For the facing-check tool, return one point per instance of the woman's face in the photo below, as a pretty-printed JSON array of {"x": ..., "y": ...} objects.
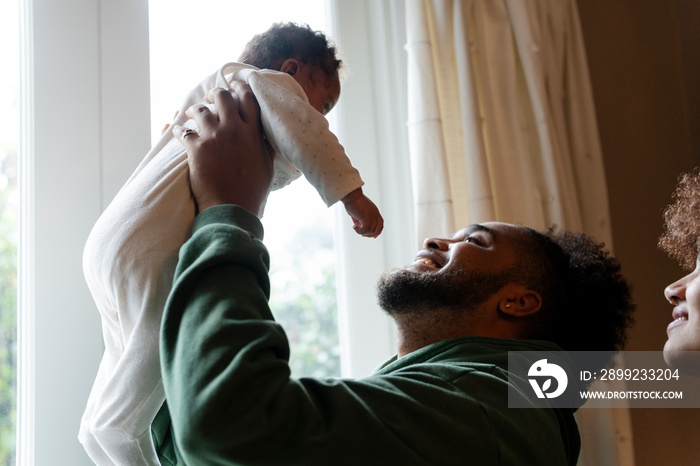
[{"x": 684, "y": 331}]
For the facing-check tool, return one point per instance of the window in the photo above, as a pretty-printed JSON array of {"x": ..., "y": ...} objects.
[
  {"x": 298, "y": 225},
  {"x": 9, "y": 210},
  {"x": 85, "y": 78}
]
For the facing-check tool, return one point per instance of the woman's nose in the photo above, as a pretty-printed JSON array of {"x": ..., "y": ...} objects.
[
  {"x": 436, "y": 243},
  {"x": 675, "y": 292}
]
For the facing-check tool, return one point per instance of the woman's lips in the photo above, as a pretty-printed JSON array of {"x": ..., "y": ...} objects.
[{"x": 680, "y": 320}]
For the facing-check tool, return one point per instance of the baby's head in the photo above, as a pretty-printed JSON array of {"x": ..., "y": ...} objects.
[{"x": 305, "y": 54}]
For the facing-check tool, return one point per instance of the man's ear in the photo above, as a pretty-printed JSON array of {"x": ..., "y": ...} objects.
[
  {"x": 290, "y": 66},
  {"x": 521, "y": 302}
]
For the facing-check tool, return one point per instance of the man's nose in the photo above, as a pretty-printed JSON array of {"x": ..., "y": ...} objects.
[{"x": 436, "y": 243}]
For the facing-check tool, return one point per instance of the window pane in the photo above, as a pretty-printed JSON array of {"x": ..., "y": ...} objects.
[
  {"x": 298, "y": 226},
  {"x": 9, "y": 137},
  {"x": 299, "y": 236}
]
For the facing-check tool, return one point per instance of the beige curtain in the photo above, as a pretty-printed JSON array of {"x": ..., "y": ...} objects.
[
  {"x": 501, "y": 118},
  {"x": 502, "y": 127}
]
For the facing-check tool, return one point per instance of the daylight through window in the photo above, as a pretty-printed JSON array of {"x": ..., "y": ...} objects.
[
  {"x": 298, "y": 226},
  {"x": 9, "y": 146}
]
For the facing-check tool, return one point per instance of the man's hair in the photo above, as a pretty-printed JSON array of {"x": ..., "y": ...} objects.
[
  {"x": 282, "y": 41},
  {"x": 681, "y": 236},
  {"x": 587, "y": 304}
]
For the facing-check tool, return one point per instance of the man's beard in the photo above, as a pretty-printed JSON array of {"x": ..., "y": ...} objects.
[{"x": 404, "y": 292}]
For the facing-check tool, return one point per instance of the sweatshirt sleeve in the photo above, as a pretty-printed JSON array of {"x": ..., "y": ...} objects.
[{"x": 225, "y": 368}]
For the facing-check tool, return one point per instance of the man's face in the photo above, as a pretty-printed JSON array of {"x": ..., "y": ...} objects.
[{"x": 457, "y": 273}]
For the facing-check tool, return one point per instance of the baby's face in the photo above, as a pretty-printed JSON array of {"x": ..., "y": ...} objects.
[{"x": 322, "y": 90}]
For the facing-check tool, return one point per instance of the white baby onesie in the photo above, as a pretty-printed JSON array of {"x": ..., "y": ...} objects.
[{"x": 131, "y": 253}]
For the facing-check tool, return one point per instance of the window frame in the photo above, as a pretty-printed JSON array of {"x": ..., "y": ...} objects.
[
  {"x": 85, "y": 108},
  {"x": 370, "y": 117}
]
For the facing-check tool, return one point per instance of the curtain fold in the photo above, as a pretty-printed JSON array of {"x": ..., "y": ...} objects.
[
  {"x": 502, "y": 127},
  {"x": 429, "y": 162},
  {"x": 501, "y": 120}
]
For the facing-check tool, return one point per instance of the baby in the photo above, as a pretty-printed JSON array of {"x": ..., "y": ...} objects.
[{"x": 131, "y": 253}]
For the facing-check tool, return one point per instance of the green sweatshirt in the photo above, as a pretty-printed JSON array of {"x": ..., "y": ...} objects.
[{"x": 230, "y": 398}]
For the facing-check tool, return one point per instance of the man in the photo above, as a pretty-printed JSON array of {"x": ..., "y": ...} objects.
[{"x": 460, "y": 307}]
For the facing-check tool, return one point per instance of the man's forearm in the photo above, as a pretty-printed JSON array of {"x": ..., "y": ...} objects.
[{"x": 220, "y": 348}]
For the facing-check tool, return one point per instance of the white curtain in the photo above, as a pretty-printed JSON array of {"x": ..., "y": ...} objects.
[{"x": 502, "y": 127}]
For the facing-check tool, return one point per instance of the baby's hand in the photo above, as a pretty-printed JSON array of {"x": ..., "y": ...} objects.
[{"x": 366, "y": 219}]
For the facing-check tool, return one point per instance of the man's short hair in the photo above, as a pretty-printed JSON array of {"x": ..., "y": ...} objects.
[
  {"x": 681, "y": 236},
  {"x": 587, "y": 303},
  {"x": 282, "y": 41}
]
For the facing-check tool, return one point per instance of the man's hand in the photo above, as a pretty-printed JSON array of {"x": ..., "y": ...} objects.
[{"x": 228, "y": 159}]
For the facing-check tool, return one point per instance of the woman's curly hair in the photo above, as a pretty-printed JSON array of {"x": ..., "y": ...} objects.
[
  {"x": 271, "y": 48},
  {"x": 587, "y": 303},
  {"x": 681, "y": 236}
]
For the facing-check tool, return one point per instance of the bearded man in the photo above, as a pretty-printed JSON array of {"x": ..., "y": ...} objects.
[{"x": 460, "y": 307}]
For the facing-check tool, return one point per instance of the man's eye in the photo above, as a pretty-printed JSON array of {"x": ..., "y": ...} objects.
[{"x": 473, "y": 239}]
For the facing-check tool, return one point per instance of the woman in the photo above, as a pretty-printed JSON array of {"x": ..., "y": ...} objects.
[{"x": 681, "y": 240}]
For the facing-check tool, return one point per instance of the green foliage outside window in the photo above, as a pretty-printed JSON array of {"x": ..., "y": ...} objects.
[
  {"x": 303, "y": 300},
  {"x": 9, "y": 130},
  {"x": 8, "y": 303}
]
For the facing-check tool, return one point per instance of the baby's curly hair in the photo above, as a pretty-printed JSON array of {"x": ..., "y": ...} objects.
[
  {"x": 587, "y": 303},
  {"x": 681, "y": 236},
  {"x": 271, "y": 48}
]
